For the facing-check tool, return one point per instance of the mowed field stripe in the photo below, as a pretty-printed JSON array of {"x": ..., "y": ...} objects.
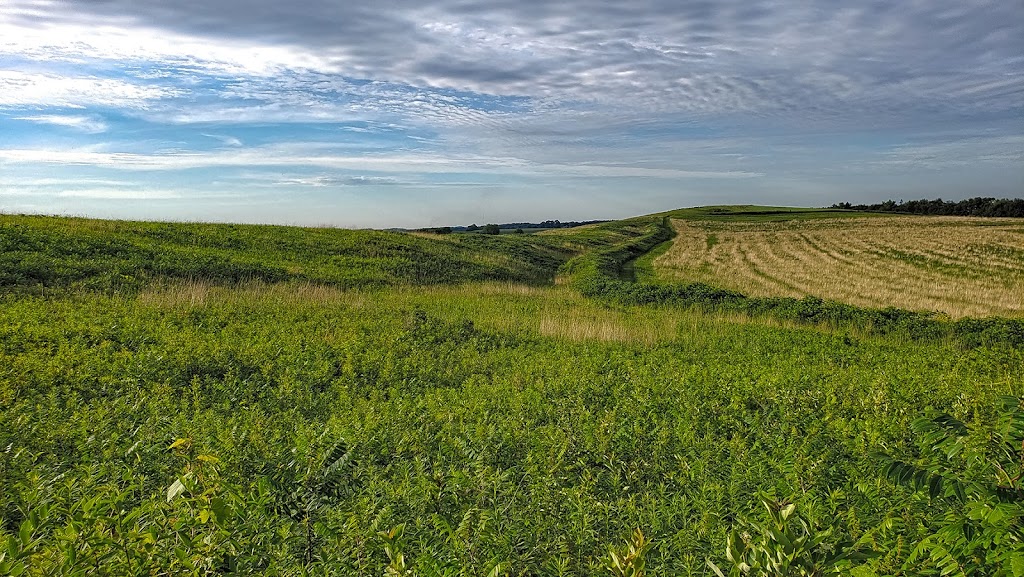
[{"x": 958, "y": 266}]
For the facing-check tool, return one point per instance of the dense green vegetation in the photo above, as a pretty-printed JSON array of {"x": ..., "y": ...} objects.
[
  {"x": 751, "y": 213},
  {"x": 978, "y": 206},
  {"x": 191, "y": 421},
  {"x": 116, "y": 255}
]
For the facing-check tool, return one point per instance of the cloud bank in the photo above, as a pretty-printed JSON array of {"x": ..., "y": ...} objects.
[{"x": 631, "y": 107}]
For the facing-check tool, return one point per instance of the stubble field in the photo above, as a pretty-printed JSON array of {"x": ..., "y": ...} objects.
[{"x": 957, "y": 266}]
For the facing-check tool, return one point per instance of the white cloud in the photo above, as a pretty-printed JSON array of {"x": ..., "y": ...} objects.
[
  {"x": 33, "y": 182},
  {"x": 228, "y": 140},
  {"x": 20, "y": 89},
  {"x": 85, "y": 189},
  {"x": 119, "y": 194},
  {"x": 750, "y": 56},
  {"x": 317, "y": 155},
  {"x": 320, "y": 181},
  {"x": 89, "y": 124},
  {"x": 58, "y": 33},
  {"x": 643, "y": 172},
  {"x": 963, "y": 152}
]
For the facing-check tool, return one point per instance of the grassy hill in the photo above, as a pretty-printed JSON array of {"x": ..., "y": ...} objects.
[
  {"x": 754, "y": 213},
  {"x": 512, "y": 405},
  {"x": 114, "y": 255}
]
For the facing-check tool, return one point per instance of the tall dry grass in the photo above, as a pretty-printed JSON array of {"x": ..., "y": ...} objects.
[{"x": 954, "y": 265}]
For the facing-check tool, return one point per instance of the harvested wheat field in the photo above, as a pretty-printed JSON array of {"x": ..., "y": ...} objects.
[{"x": 954, "y": 265}]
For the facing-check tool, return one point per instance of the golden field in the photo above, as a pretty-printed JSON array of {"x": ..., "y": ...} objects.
[{"x": 954, "y": 265}]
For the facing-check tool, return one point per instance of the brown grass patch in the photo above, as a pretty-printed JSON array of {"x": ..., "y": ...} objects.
[
  {"x": 585, "y": 325},
  {"x": 958, "y": 266}
]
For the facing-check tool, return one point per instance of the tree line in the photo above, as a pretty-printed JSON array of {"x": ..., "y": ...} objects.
[
  {"x": 515, "y": 227},
  {"x": 978, "y": 206}
]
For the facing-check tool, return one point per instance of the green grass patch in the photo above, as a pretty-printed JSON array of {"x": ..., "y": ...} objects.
[
  {"x": 315, "y": 422},
  {"x": 753, "y": 213},
  {"x": 122, "y": 255}
]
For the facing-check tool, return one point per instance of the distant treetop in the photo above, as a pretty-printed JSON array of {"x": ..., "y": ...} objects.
[
  {"x": 978, "y": 206},
  {"x": 525, "y": 225}
]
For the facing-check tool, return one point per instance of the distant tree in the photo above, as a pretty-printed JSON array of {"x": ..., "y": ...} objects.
[
  {"x": 979, "y": 206},
  {"x": 443, "y": 230},
  {"x": 491, "y": 229},
  {"x": 518, "y": 231},
  {"x": 511, "y": 226}
]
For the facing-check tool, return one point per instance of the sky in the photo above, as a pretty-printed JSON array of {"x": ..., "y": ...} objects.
[{"x": 409, "y": 113}]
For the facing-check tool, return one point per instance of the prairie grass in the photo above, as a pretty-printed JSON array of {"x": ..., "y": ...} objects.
[
  {"x": 954, "y": 265},
  {"x": 510, "y": 308},
  {"x": 538, "y": 421},
  {"x": 119, "y": 256},
  {"x": 280, "y": 410}
]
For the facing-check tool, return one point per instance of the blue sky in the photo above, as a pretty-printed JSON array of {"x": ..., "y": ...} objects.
[{"x": 418, "y": 113}]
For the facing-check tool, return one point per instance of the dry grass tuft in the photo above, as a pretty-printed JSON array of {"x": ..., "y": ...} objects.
[
  {"x": 958, "y": 266},
  {"x": 589, "y": 325},
  {"x": 198, "y": 293},
  {"x": 180, "y": 293}
]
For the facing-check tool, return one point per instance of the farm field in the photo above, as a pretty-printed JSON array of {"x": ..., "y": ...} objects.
[
  {"x": 963, "y": 267},
  {"x": 501, "y": 410}
]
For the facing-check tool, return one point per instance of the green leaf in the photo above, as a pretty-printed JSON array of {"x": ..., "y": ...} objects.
[
  {"x": 935, "y": 486},
  {"x": 715, "y": 568},
  {"x": 25, "y": 533},
  {"x": 1017, "y": 564},
  {"x": 220, "y": 510}
]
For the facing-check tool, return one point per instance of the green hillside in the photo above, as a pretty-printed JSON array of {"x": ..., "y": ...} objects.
[
  {"x": 61, "y": 252},
  {"x": 753, "y": 213}
]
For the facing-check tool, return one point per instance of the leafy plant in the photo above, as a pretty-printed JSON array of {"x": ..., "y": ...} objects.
[
  {"x": 630, "y": 560},
  {"x": 978, "y": 470},
  {"x": 317, "y": 486},
  {"x": 394, "y": 544},
  {"x": 786, "y": 546}
]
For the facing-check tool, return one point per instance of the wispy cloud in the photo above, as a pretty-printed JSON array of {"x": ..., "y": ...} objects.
[
  {"x": 89, "y": 124},
  {"x": 317, "y": 156},
  {"x": 224, "y": 139},
  {"x": 733, "y": 97},
  {"x": 119, "y": 194},
  {"x": 47, "y": 89},
  {"x": 1004, "y": 150},
  {"x": 326, "y": 181},
  {"x": 767, "y": 57}
]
